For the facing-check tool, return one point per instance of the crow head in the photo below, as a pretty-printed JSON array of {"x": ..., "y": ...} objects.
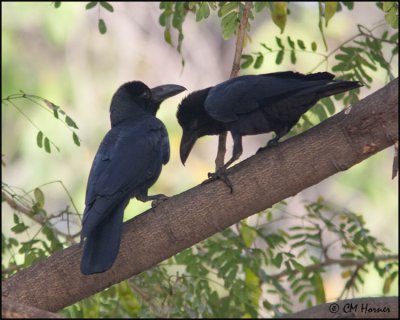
[
  {"x": 135, "y": 98},
  {"x": 195, "y": 121}
]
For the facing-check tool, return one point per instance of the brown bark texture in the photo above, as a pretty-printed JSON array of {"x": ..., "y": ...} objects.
[{"x": 270, "y": 176}]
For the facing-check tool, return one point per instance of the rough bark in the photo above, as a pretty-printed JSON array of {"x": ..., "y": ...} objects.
[
  {"x": 335, "y": 145},
  {"x": 361, "y": 308}
]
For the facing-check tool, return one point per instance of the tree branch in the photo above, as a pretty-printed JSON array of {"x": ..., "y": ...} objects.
[
  {"x": 16, "y": 310},
  {"x": 334, "y": 145},
  {"x": 219, "y": 160},
  {"x": 37, "y": 218}
]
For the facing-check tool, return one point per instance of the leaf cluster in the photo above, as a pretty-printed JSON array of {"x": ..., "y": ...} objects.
[
  {"x": 43, "y": 140},
  {"x": 44, "y": 238}
]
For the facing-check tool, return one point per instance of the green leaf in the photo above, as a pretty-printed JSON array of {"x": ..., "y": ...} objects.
[
  {"x": 387, "y": 284},
  {"x": 387, "y": 5},
  {"x": 39, "y": 197},
  {"x": 279, "y": 14},
  {"x": 319, "y": 288},
  {"x": 291, "y": 42},
  {"x": 39, "y": 139},
  {"x": 21, "y": 227},
  {"x": 47, "y": 145},
  {"x": 393, "y": 19},
  {"x": 265, "y": 46},
  {"x": 320, "y": 112},
  {"x": 76, "y": 139},
  {"x": 102, "y": 26},
  {"x": 314, "y": 46},
  {"x": 293, "y": 58},
  {"x": 106, "y": 5},
  {"x": 227, "y": 7},
  {"x": 163, "y": 18},
  {"x": 259, "y": 61},
  {"x": 279, "y": 43},
  {"x": 206, "y": 9},
  {"x": 277, "y": 261},
  {"x": 279, "y": 57},
  {"x": 330, "y": 10},
  {"x": 348, "y": 4},
  {"x": 70, "y": 122},
  {"x": 248, "y": 61},
  {"x": 91, "y": 5},
  {"x": 248, "y": 234},
  {"x": 301, "y": 44},
  {"x": 259, "y": 5},
  {"x": 327, "y": 102},
  {"x": 167, "y": 36},
  {"x": 57, "y": 4},
  {"x": 16, "y": 218},
  {"x": 320, "y": 24},
  {"x": 229, "y": 24}
]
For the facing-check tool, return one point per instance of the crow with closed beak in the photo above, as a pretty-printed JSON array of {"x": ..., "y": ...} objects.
[{"x": 127, "y": 163}]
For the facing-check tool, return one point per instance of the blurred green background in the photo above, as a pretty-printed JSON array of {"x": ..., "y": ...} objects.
[{"x": 60, "y": 55}]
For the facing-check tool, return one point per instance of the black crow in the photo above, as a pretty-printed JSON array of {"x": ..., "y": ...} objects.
[
  {"x": 253, "y": 104},
  {"x": 127, "y": 163}
]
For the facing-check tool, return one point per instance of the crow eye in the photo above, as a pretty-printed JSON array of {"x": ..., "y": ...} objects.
[{"x": 145, "y": 94}]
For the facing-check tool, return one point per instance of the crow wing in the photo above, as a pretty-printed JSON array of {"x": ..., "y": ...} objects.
[
  {"x": 241, "y": 95},
  {"x": 128, "y": 161}
]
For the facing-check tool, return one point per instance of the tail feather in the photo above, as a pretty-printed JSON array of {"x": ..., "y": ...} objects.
[{"x": 100, "y": 248}]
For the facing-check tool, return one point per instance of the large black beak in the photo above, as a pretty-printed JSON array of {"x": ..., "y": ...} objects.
[
  {"x": 163, "y": 92},
  {"x": 187, "y": 143}
]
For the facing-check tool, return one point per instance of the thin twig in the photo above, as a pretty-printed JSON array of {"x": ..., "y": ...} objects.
[
  {"x": 37, "y": 218},
  {"x": 240, "y": 39},
  {"x": 148, "y": 298},
  {"x": 219, "y": 160}
]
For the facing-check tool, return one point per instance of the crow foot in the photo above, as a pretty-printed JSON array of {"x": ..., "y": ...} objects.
[
  {"x": 271, "y": 143},
  {"x": 220, "y": 174},
  {"x": 159, "y": 198}
]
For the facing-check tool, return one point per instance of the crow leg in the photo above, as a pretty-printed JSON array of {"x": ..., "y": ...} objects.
[
  {"x": 156, "y": 198},
  {"x": 221, "y": 172},
  {"x": 273, "y": 142}
]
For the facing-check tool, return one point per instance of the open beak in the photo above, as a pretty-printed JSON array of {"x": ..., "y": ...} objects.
[
  {"x": 165, "y": 91},
  {"x": 187, "y": 143}
]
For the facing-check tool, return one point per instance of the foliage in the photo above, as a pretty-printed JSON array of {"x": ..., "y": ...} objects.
[
  {"x": 42, "y": 140},
  {"x": 95, "y": 4},
  {"x": 43, "y": 241},
  {"x": 225, "y": 275}
]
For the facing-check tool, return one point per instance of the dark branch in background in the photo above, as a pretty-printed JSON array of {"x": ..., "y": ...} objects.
[
  {"x": 219, "y": 160},
  {"x": 35, "y": 217},
  {"x": 264, "y": 179},
  {"x": 13, "y": 309}
]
